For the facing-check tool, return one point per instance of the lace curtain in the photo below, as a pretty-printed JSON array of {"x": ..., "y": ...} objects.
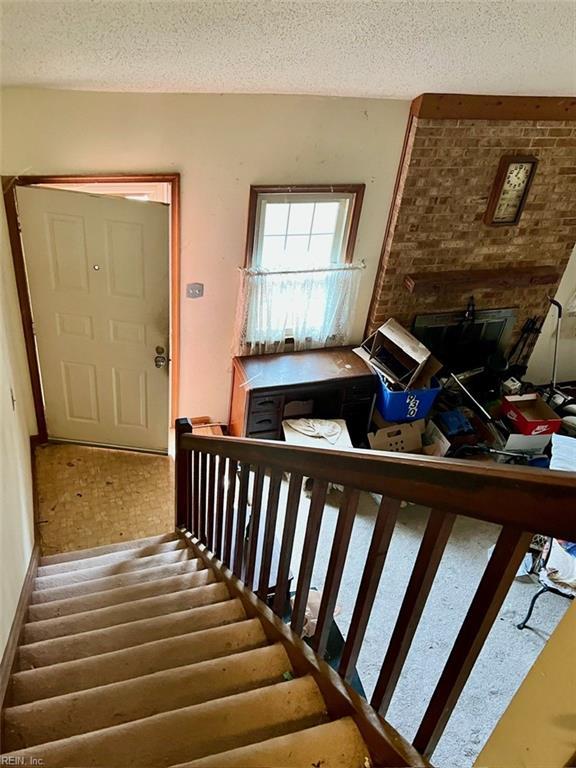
[{"x": 281, "y": 311}]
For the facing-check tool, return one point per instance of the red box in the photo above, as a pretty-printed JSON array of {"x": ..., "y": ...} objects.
[{"x": 530, "y": 415}]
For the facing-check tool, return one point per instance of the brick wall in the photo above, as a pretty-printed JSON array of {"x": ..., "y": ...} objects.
[{"x": 436, "y": 221}]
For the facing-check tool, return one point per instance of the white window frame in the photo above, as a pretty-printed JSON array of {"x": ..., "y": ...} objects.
[
  {"x": 346, "y": 227},
  {"x": 341, "y": 232}
]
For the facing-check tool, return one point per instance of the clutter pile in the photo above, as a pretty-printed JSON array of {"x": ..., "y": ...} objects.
[{"x": 488, "y": 415}]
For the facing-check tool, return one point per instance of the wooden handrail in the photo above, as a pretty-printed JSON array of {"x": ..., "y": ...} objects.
[
  {"x": 531, "y": 499},
  {"x": 216, "y": 477}
]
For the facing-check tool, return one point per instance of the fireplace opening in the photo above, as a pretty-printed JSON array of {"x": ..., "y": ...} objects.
[{"x": 466, "y": 340}]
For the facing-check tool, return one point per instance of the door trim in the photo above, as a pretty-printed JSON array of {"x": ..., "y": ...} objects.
[{"x": 9, "y": 184}]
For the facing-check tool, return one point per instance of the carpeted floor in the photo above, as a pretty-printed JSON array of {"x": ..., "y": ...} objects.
[
  {"x": 92, "y": 496},
  {"x": 506, "y": 657}
]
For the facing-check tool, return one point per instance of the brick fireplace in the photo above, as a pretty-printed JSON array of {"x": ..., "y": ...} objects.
[{"x": 437, "y": 249}]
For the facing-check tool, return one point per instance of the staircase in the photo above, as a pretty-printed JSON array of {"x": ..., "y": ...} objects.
[
  {"x": 173, "y": 651},
  {"x": 137, "y": 654}
]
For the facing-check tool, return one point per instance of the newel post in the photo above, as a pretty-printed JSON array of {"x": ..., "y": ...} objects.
[{"x": 182, "y": 476}]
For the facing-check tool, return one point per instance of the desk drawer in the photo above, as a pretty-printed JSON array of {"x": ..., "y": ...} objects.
[
  {"x": 259, "y": 403},
  {"x": 362, "y": 390},
  {"x": 264, "y": 435},
  {"x": 263, "y": 421}
]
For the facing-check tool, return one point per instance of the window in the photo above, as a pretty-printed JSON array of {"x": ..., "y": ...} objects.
[
  {"x": 299, "y": 228},
  {"x": 299, "y": 286}
]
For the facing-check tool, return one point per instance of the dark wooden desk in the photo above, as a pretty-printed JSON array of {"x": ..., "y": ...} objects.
[{"x": 341, "y": 385}]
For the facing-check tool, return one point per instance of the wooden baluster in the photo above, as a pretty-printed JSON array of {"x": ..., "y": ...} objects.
[
  {"x": 508, "y": 553},
  {"x": 210, "y": 511},
  {"x": 335, "y": 568},
  {"x": 254, "y": 526},
  {"x": 432, "y": 547},
  {"x": 219, "y": 515},
  {"x": 315, "y": 512},
  {"x": 203, "y": 497},
  {"x": 183, "y": 476},
  {"x": 189, "y": 522},
  {"x": 379, "y": 544},
  {"x": 269, "y": 531},
  {"x": 229, "y": 529},
  {"x": 195, "y": 493},
  {"x": 292, "y": 503},
  {"x": 241, "y": 519}
]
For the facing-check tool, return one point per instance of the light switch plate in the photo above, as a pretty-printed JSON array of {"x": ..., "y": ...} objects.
[{"x": 194, "y": 290}]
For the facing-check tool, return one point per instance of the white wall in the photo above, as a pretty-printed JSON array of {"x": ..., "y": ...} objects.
[
  {"x": 221, "y": 145},
  {"x": 541, "y": 361},
  {"x": 16, "y": 425},
  {"x": 538, "y": 729}
]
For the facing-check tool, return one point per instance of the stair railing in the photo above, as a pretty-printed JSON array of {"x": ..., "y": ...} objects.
[{"x": 216, "y": 476}]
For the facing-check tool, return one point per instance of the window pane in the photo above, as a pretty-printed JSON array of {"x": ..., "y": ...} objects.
[
  {"x": 275, "y": 218},
  {"x": 297, "y": 232},
  {"x": 297, "y": 251},
  {"x": 272, "y": 251},
  {"x": 320, "y": 254},
  {"x": 300, "y": 219},
  {"x": 325, "y": 217}
]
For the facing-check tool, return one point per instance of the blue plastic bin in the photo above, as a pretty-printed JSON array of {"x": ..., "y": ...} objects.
[{"x": 409, "y": 405}]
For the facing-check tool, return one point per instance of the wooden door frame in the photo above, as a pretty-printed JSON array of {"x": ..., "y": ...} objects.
[{"x": 9, "y": 184}]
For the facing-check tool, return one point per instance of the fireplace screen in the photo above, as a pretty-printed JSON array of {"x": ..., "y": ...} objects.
[{"x": 464, "y": 343}]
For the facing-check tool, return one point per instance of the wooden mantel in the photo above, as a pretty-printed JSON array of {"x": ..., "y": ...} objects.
[{"x": 508, "y": 277}]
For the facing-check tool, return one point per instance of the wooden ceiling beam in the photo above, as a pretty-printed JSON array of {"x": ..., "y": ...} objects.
[{"x": 454, "y": 106}]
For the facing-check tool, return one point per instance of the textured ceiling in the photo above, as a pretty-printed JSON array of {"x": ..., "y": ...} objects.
[{"x": 380, "y": 48}]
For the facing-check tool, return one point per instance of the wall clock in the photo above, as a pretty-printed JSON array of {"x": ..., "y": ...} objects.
[{"x": 510, "y": 189}]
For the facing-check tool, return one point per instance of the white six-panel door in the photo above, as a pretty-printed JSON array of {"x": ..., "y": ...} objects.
[{"x": 98, "y": 274}]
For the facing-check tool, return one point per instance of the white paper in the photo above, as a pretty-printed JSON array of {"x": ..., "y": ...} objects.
[
  {"x": 563, "y": 453},
  {"x": 527, "y": 443}
]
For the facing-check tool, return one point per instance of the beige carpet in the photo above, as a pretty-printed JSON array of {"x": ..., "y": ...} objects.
[
  {"x": 506, "y": 657},
  {"x": 93, "y": 496}
]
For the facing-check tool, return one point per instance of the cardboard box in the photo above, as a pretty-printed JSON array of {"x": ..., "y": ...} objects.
[
  {"x": 511, "y": 386},
  {"x": 530, "y": 415},
  {"x": 403, "y": 438},
  {"x": 434, "y": 443},
  {"x": 400, "y": 357},
  {"x": 527, "y": 443}
]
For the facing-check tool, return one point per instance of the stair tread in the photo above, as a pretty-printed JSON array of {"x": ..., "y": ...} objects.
[
  {"x": 98, "y": 641},
  {"x": 331, "y": 745},
  {"x": 119, "y": 580},
  {"x": 136, "y": 654},
  {"x": 103, "y": 549},
  {"x": 192, "y": 732},
  {"x": 124, "y": 613},
  {"x": 104, "y": 706},
  {"x": 109, "y": 558},
  {"x": 121, "y": 567},
  {"x": 128, "y": 663},
  {"x": 109, "y": 597}
]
